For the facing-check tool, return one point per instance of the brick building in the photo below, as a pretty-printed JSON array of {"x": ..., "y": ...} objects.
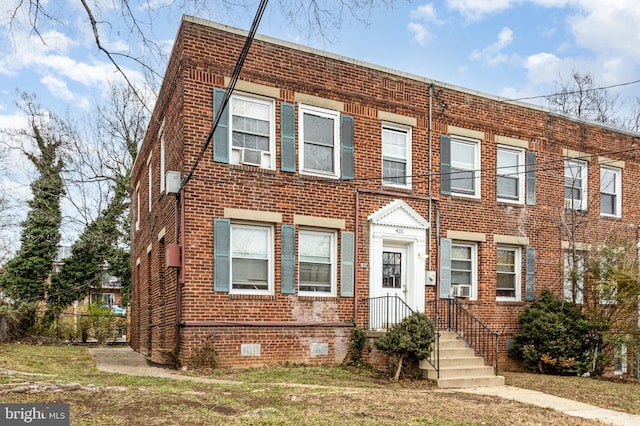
[{"x": 330, "y": 182}]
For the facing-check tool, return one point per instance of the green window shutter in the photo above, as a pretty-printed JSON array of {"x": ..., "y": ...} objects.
[
  {"x": 347, "y": 255},
  {"x": 530, "y": 284},
  {"x": 221, "y": 133},
  {"x": 531, "y": 178},
  {"x": 287, "y": 137},
  {"x": 346, "y": 147},
  {"x": 221, "y": 254},
  {"x": 288, "y": 259},
  {"x": 445, "y": 165},
  {"x": 445, "y": 268}
]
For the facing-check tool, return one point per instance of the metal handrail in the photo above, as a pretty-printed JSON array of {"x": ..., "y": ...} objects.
[
  {"x": 450, "y": 315},
  {"x": 382, "y": 313}
]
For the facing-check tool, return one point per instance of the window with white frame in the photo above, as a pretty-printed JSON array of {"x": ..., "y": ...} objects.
[
  {"x": 317, "y": 263},
  {"x": 508, "y": 266},
  {"x": 319, "y": 141},
  {"x": 251, "y": 259},
  {"x": 137, "y": 224},
  {"x": 607, "y": 285},
  {"x": 464, "y": 275},
  {"x": 162, "y": 163},
  {"x": 574, "y": 265},
  {"x": 149, "y": 184},
  {"x": 252, "y": 131},
  {"x": 620, "y": 359},
  {"x": 575, "y": 185},
  {"x": 510, "y": 174},
  {"x": 396, "y": 156},
  {"x": 465, "y": 167},
  {"x": 610, "y": 191}
]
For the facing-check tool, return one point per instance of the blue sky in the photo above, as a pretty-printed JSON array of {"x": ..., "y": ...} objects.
[{"x": 508, "y": 48}]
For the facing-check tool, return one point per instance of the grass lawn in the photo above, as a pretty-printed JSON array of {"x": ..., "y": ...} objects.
[{"x": 300, "y": 395}]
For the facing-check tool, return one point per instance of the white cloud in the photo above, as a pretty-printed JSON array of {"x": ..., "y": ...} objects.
[
  {"x": 477, "y": 9},
  {"x": 426, "y": 12},
  {"x": 491, "y": 55},
  {"x": 421, "y": 17},
  {"x": 57, "y": 86},
  {"x": 543, "y": 68},
  {"x": 419, "y": 32},
  {"x": 608, "y": 28}
]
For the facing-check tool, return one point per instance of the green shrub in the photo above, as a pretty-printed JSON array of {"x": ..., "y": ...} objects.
[
  {"x": 412, "y": 338},
  {"x": 16, "y": 320},
  {"x": 204, "y": 358},
  {"x": 357, "y": 346},
  {"x": 102, "y": 321},
  {"x": 555, "y": 337}
]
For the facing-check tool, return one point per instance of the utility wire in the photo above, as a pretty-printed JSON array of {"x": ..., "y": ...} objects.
[
  {"x": 592, "y": 89},
  {"x": 232, "y": 84}
]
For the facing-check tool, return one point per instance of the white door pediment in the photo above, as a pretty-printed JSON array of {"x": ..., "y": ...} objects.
[{"x": 398, "y": 214}]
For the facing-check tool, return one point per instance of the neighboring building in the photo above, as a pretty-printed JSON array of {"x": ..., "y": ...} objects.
[
  {"x": 330, "y": 181},
  {"x": 108, "y": 293}
]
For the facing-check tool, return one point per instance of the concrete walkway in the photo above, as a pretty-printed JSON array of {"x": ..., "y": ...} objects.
[
  {"x": 124, "y": 360},
  {"x": 563, "y": 405}
]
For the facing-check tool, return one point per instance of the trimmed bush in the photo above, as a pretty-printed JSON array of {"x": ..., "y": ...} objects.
[
  {"x": 555, "y": 337},
  {"x": 411, "y": 339}
]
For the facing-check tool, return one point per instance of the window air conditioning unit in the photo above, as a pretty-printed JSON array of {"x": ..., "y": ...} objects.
[
  {"x": 572, "y": 204},
  {"x": 251, "y": 157},
  {"x": 461, "y": 291}
]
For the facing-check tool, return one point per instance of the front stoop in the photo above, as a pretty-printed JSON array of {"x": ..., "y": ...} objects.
[{"x": 459, "y": 366}]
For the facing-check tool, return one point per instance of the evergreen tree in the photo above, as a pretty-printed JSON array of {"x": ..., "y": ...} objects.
[
  {"x": 103, "y": 245},
  {"x": 100, "y": 248},
  {"x": 25, "y": 276}
]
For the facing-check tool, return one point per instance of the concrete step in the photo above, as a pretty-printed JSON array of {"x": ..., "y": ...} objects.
[
  {"x": 459, "y": 366},
  {"x": 448, "y": 362},
  {"x": 460, "y": 372},
  {"x": 453, "y": 344},
  {"x": 462, "y": 382}
]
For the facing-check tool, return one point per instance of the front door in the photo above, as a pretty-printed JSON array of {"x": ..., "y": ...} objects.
[
  {"x": 389, "y": 298},
  {"x": 394, "y": 275},
  {"x": 397, "y": 253}
]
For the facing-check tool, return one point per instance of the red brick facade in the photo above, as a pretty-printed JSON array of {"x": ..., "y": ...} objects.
[{"x": 174, "y": 310}]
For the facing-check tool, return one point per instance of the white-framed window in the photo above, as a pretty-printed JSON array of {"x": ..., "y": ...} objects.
[
  {"x": 162, "y": 162},
  {"x": 252, "y": 131},
  {"x": 319, "y": 141},
  {"x": 465, "y": 167},
  {"x": 464, "y": 269},
  {"x": 510, "y": 174},
  {"x": 574, "y": 265},
  {"x": 396, "y": 156},
  {"x": 149, "y": 184},
  {"x": 575, "y": 185},
  {"x": 316, "y": 263},
  {"x": 620, "y": 359},
  {"x": 251, "y": 259},
  {"x": 508, "y": 267},
  {"x": 104, "y": 299},
  {"x": 610, "y": 191},
  {"x": 137, "y": 223}
]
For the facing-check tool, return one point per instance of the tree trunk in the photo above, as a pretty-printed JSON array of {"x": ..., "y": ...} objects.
[{"x": 399, "y": 369}]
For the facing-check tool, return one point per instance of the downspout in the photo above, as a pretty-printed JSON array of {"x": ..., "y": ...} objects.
[
  {"x": 179, "y": 235},
  {"x": 355, "y": 257},
  {"x": 429, "y": 135}
]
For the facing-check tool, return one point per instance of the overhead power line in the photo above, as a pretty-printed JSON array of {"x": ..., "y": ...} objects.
[
  {"x": 232, "y": 84},
  {"x": 573, "y": 92}
]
